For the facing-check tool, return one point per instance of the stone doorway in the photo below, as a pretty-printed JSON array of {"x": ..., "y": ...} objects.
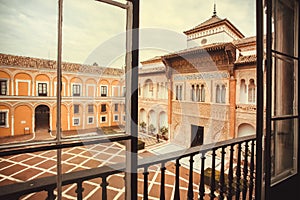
[{"x": 42, "y": 116}]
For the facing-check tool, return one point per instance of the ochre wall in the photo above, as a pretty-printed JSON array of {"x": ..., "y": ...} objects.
[{"x": 23, "y": 118}]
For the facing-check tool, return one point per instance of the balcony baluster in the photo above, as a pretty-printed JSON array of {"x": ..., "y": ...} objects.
[
  {"x": 50, "y": 193},
  {"x": 176, "y": 194},
  {"x": 146, "y": 173},
  {"x": 201, "y": 187},
  {"x": 245, "y": 171},
  {"x": 190, "y": 195},
  {"x": 162, "y": 185},
  {"x": 230, "y": 173},
  {"x": 104, "y": 185},
  {"x": 213, "y": 178},
  {"x": 251, "y": 179},
  {"x": 79, "y": 190},
  {"x": 238, "y": 173},
  {"x": 222, "y": 175}
]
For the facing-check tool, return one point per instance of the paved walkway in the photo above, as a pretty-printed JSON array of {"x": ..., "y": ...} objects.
[{"x": 29, "y": 166}]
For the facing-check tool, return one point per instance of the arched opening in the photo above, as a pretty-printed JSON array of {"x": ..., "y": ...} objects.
[
  {"x": 42, "y": 117},
  {"x": 245, "y": 130},
  {"x": 163, "y": 120},
  {"x": 152, "y": 125},
  {"x": 143, "y": 120},
  {"x": 243, "y": 91},
  {"x": 251, "y": 91},
  {"x": 148, "y": 89}
]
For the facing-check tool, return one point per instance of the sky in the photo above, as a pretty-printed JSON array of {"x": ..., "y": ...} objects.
[{"x": 95, "y": 32}]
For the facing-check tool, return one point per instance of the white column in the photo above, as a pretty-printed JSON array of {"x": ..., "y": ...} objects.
[
  {"x": 33, "y": 122},
  {"x": 12, "y": 86},
  {"x": 12, "y": 125},
  {"x": 109, "y": 117},
  {"x": 69, "y": 120},
  {"x": 83, "y": 117}
]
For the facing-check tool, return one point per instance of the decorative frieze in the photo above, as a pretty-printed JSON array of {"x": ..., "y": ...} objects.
[
  {"x": 36, "y": 63},
  {"x": 201, "y": 76}
]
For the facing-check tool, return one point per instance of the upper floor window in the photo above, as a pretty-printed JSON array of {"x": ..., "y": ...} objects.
[
  {"x": 202, "y": 93},
  {"x": 220, "y": 94},
  {"x": 42, "y": 89},
  {"x": 251, "y": 91},
  {"x": 76, "y": 90},
  {"x": 3, "y": 85},
  {"x": 178, "y": 92},
  {"x": 76, "y": 109},
  {"x": 193, "y": 93},
  {"x": 103, "y": 107},
  {"x": 223, "y": 94},
  {"x": 103, "y": 91},
  {"x": 243, "y": 91},
  {"x": 3, "y": 118},
  {"x": 198, "y": 93},
  {"x": 91, "y": 108},
  {"x": 116, "y": 107}
]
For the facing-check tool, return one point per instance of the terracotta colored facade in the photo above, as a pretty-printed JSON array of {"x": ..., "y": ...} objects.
[{"x": 28, "y": 98}]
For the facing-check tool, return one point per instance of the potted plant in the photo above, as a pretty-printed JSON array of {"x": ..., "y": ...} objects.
[
  {"x": 143, "y": 126},
  {"x": 152, "y": 128},
  {"x": 164, "y": 132}
]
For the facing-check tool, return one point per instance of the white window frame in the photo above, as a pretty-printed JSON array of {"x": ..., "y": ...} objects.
[
  {"x": 72, "y": 92},
  {"x": 101, "y": 90},
  {"x": 6, "y": 118},
  {"x": 90, "y": 117},
  {"x": 7, "y": 85},
  {"x": 37, "y": 87},
  {"x": 76, "y": 118},
  {"x": 23, "y": 81},
  {"x": 116, "y": 120},
  {"x": 101, "y": 119},
  {"x": 181, "y": 97}
]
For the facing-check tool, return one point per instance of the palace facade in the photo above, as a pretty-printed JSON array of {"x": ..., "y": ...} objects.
[
  {"x": 207, "y": 90},
  {"x": 91, "y": 96}
]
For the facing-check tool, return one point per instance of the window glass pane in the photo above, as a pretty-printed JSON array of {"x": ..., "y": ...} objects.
[
  {"x": 285, "y": 26},
  {"x": 285, "y": 86},
  {"x": 283, "y": 148}
]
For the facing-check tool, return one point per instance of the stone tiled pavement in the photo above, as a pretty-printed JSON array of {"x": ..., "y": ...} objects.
[{"x": 34, "y": 165}]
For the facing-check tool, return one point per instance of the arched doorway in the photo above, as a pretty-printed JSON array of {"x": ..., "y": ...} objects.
[{"x": 42, "y": 116}]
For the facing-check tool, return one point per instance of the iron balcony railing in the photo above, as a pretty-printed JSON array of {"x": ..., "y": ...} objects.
[{"x": 234, "y": 178}]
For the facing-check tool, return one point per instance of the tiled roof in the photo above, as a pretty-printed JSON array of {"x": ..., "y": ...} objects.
[
  {"x": 209, "y": 47},
  {"x": 212, "y": 20}
]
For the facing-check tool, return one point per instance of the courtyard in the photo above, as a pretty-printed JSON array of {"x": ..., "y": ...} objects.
[{"x": 29, "y": 166}]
